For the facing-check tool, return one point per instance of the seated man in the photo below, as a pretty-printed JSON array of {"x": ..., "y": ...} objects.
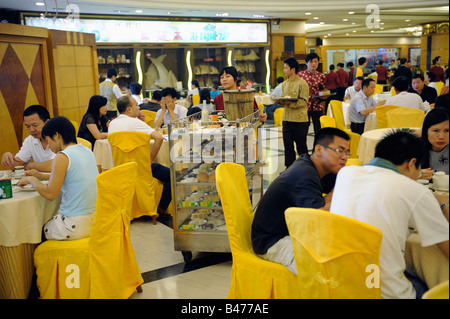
[
  {"x": 128, "y": 121},
  {"x": 404, "y": 98},
  {"x": 301, "y": 185},
  {"x": 362, "y": 105},
  {"x": 351, "y": 91},
  {"x": 34, "y": 147},
  {"x": 270, "y": 109},
  {"x": 427, "y": 93},
  {"x": 154, "y": 103},
  {"x": 73, "y": 173},
  {"x": 169, "y": 111},
  {"x": 384, "y": 193}
]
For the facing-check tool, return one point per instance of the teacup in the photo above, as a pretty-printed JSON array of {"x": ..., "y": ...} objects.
[
  {"x": 424, "y": 182},
  {"x": 440, "y": 180},
  {"x": 18, "y": 171}
]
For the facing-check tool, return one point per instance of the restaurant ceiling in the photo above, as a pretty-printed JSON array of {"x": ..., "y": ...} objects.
[{"x": 396, "y": 18}]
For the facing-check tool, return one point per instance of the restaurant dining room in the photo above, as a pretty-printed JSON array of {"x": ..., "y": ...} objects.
[{"x": 226, "y": 159}]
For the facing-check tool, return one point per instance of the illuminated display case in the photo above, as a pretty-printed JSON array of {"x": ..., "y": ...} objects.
[
  {"x": 251, "y": 65},
  {"x": 207, "y": 64},
  {"x": 120, "y": 59}
]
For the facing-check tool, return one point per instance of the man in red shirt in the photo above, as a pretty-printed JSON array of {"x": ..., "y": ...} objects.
[
  {"x": 331, "y": 83},
  {"x": 342, "y": 81},
  {"x": 383, "y": 73},
  {"x": 437, "y": 69},
  {"x": 351, "y": 70}
]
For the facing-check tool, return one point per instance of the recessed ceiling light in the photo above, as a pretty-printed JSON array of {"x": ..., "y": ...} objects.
[
  {"x": 353, "y": 22},
  {"x": 139, "y": 11},
  {"x": 354, "y": 30},
  {"x": 344, "y": 19},
  {"x": 329, "y": 34},
  {"x": 382, "y": 23},
  {"x": 407, "y": 20},
  {"x": 316, "y": 18},
  {"x": 325, "y": 36},
  {"x": 372, "y": 31},
  {"x": 347, "y": 34},
  {"x": 321, "y": 22},
  {"x": 258, "y": 16},
  {"x": 225, "y": 14},
  {"x": 40, "y": 4},
  {"x": 381, "y": 28},
  {"x": 351, "y": 12},
  {"x": 308, "y": 13}
]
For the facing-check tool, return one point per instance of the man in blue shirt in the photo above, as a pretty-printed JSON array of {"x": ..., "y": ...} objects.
[
  {"x": 301, "y": 185},
  {"x": 362, "y": 105}
]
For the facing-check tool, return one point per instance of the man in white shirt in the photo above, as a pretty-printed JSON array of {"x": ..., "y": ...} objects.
[
  {"x": 111, "y": 91},
  {"x": 404, "y": 98},
  {"x": 34, "y": 147},
  {"x": 169, "y": 111},
  {"x": 128, "y": 121},
  {"x": 351, "y": 91},
  {"x": 384, "y": 193}
]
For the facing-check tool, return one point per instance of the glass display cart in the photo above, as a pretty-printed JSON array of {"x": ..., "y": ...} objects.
[{"x": 196, "y": 149}]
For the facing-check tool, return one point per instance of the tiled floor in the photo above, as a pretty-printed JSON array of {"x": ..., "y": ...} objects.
[{"x": 207, "y": 276}]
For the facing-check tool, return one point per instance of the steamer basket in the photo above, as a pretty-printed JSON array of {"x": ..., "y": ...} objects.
[{"x": 238, "y": 103}]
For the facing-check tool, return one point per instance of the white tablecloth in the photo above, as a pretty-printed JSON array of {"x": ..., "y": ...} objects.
[
  {"x": 264, "y": 99},
  {"x": 368, "y": 142}
]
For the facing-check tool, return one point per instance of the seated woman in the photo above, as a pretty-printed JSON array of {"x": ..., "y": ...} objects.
[
  {"x": 435, "y": 135},
  {"x": 94, "y": 125},
  {"x": 73, "y": 173},
  {"x": 205, "y": 96}
]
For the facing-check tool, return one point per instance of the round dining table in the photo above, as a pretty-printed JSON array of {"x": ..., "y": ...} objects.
[{"x": 21, "y": 220}]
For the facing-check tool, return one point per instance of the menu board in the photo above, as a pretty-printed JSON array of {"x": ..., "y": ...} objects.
[{"x": 150, "y": 31}]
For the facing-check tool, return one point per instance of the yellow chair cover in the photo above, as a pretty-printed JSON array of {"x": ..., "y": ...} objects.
[
  {"x": 261, "y": 108},
  {"x": 353, "y": 161},
  {"x": 84, "y": 142},
  {"x": 251, "y": 276},
  {"x": 437, "y": 292},
  {"x": 393, "y": 91},
  {"x": 278, "y": 116},
  {"x": 327, "y": 121},
  {"x": 381, "y": 111},
  {"x": 332, "y": 254},
  {"x": 378, "y": 89},
  {"x": 150, "y": 117},
  {"x": 105, "y": 263},
  {"x": 405, "y": 117},
  {"x": 439, "y": 85},
  {"x": 76, "y": 125},
  {"x": 135, "y": 147},
  {"x": 338, "y": 114},
  {"x": 195, "y": 99}
]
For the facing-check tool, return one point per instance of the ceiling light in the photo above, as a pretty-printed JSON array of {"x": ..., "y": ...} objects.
[
  {"x": 354, "y": 31},
  {"x": 40, "y": 4},
  {"x": 308, "y": 13},
  {"x": 347, "y": 34},
  {"x": 344, "y": 19},
  {"x": 225, "y": 14},
  {"x": 372, "y": 31},
  {"x": 258, "y": 16},
  {"x": 351, "y": 12},
  {"x": 353, "y": 22},
  {"x": 321, "y": 22},
  {"x": 381, "y": 28},
  {"x": 316, "y": 18},
  {"x": 139, "y": 11},
  {"x": 407, "y": 20},
  {"x": 382, "y": 23},
  {"x": 325, "y": 36}
]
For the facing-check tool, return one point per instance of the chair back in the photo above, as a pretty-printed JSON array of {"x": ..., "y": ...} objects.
[
  {"x": 195, "y": 99},
  {"x": 76, "y": 125},
  {"x": 336, "y": 257},
  {"x": 135, "y": 147},
  {"x": 378, "y": 89},
  {"x": 405, "y": 117},
  {"x": 338, "y": 114},
  {"x": 393, "y": 91},
  {"x": 150, "y": 117},
  {"x": 439, "y": 85},
  {"x": 381, "y": 111},
  {"x": 327, "y": 121},
  {"x": 353, "y": 143},
  {"x": 261, "y": 108},
  {"x": 237, "y": 208},
  {"x": 84, "y": 142},
  {"x": 278, "y": 116},
  {"x": 437, "y": 292},
  {"x": 113, "y": 258}
]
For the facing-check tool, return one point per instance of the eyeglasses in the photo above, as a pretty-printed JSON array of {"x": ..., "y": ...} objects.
[{"x": 339, "y": 151}]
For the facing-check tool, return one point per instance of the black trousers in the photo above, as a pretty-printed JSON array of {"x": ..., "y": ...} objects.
[
  {"x": 162, "y": 173},
  {"x": 357, "y": 128},
  {"x": 294, "y": 132},
  {"x": 314, "y": 117}
]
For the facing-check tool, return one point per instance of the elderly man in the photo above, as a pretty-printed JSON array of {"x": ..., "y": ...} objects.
[
  {"x": 404, "y": 98},
  {"x": 427, "y": 93},
  {"x": 301, "y": 185},
  {"x": 128, "y": 121},
  {"x": 362, "y": 105},
  {"x": 370, "y": 194},
  {"x": 34, "y": 147}
]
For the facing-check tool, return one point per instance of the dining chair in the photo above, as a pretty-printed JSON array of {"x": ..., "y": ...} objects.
[
  {"x": 439, "y": 85},
  {"x": 336, "y": 257},
  {"x": 378, "y": 89},
  {"x": 261, "y": 108},
  {"x": 251, "y": 276},
  {"x": 76, "y": 125},
  {"x": 381, "y": 111},
  {"x": 102, "y": 266},
  {"x": 338, "y": 115},
  {"x": 437, "y": 292},
  {"x": 84, "y": 142},
  {"x": 278, "y": 116},
  {"x": 393, "y": 92},
  {"x": 195, "y": 99},
  {"x": 327, "y": 121},
  {"x": 135, "y": 147},
  {"x": 405, "y": 117},
  {"x": 150, "y": 117}
]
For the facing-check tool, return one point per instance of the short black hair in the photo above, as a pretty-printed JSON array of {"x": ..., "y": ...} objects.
[
  {"x": 195, "y": 82},
  {"x": 231, "y": 70},
  {"x": 170, "y": 91},
  {"x": 331, "y": 67},
  {"x": 41, "y": 111},
  {"x": 311, "y": 56},
  {"x": 340, "y": 64},
  {"x": 205, "y": 95},
  {"x": 366, "y": 82},
  {"x": 362, "y": 60},
  {"x": 381, "y": 62},
  {"x": 403, "y": 60},
  {"x": 442, "y": 101},
  {"x": 399, "y": 147},
  {"x": 280, "y": 79},
  {"x": 292, "y": 63},
  {"x": 123, "y": 102},
  {"x": 156, "y": 95},
  {"x": 401, "y": 83},
  {"x": 135, "y": 88},
  {"x": 111, "y": 72},
  {"x": 418, "y": 76},
  {"x": 61, "y": 125},
  {"x": 325, "y": 136},
  {"x": 195, "y": 110},
  {"x": 349, "y": 64},
  {"x": 360, "y": 78},
  {"x": 431, "y": 76}
]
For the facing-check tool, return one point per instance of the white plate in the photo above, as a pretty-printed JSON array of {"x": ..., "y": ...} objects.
[
  {"x": 28, "y": 188},
  {"x": 439, "y": 189}
]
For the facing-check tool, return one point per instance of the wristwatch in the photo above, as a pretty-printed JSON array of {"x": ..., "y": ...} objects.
[{"x": 444, "y": 205}]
